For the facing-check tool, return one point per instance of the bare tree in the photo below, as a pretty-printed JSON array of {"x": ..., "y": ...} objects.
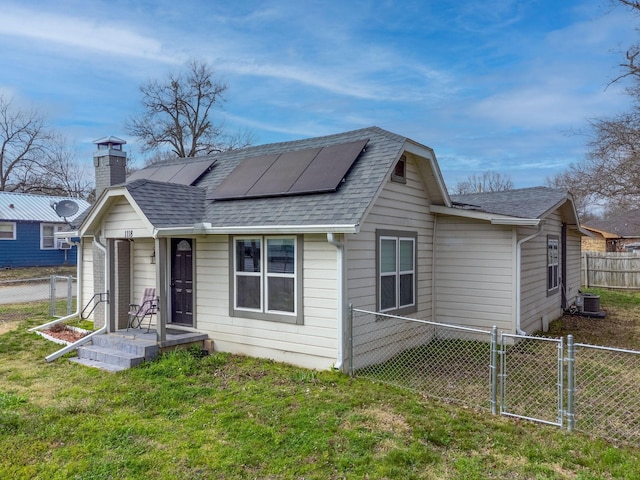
[
  {"x": 33, "y": 159},
  {"x": 64, "y": 174},
  {"x": 610, "y": 171},
  {"x": 23, "y": 140},
  {"x": 178, "y": 114},
  {"x": 486, "y": 182}
]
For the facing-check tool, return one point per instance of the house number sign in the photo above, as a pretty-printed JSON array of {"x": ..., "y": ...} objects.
[{"x": 128, "y": 234}]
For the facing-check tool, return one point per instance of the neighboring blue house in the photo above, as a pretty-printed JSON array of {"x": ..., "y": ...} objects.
[{"x": 27, "y": 226}]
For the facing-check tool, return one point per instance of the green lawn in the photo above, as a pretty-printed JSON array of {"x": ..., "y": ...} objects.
[{"x": 228, "y": 417}]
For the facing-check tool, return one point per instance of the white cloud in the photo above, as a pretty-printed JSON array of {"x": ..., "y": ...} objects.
[{"x": 80, "y": 33}]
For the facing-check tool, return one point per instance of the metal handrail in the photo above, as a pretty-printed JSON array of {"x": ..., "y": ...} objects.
[{"x": 104, "y": 297}]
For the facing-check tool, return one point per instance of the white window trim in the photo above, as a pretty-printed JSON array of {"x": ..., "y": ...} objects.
[
  {"x": 264, "y": 313},
  {"x": 398, "y": 237},
  {"x": 56, "y": 228},
  {"x": 13, "y": 231},
  {"x": 553, "y": 263}
]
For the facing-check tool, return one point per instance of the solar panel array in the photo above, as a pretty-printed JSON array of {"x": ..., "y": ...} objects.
[
  {"x": 186, "y": 173},
  {"x": 313, "y": 170}
]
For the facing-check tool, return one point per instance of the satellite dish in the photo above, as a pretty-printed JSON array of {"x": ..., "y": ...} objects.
[{"x": 65, "y": 208}]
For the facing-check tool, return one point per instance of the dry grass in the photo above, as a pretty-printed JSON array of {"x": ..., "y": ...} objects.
[
  {"x": 35, "y": 272},
  {"x": 620, "y": 328}
]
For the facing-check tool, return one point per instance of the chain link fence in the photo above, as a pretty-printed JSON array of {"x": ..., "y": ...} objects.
[
  {"x": 607, "y": 393},
  {"x": 443, "y": 361},
  {"x": 531, "y": 378},
  {"x": 59, "y": 291},
  {"x": 586, "y": 388}
]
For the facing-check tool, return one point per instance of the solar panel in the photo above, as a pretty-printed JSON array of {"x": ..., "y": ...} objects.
[
  {"x": 186, "y": 173},
  {"x": 328, "y": 168},
  {"x": 244, "y": 176},
  {"x": 312, "y": 170},
  {"x": 284, "y": 172}
]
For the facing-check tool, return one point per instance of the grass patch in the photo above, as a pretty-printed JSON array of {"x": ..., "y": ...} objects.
[{"x": 230, "y": 417}]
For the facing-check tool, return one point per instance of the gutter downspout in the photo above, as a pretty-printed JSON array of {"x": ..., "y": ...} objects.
[
  {"x": 78, "y": 289},
  {"x": 434, "y": 242},
  {"x": 340, "y": 296},
  {"x": 519, "y": 330},
  {"x": 101, "y": 330}
]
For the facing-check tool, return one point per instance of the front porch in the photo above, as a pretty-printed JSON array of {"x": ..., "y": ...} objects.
[{"x": 123, "y": 349}]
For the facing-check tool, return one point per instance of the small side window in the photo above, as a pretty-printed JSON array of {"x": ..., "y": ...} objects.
[
  {"x": 7, "y": 231},
  {"x": 553, "y": 264}
]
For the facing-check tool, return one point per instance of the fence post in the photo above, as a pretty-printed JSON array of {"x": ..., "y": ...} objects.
[
  {"x": 52, "y": 296},
  {"x": 493, "y": 368},
  {"x": 69, "y": 294},
  {"x": 350, "y": 330},
  {"x": 571, "y": 358}
]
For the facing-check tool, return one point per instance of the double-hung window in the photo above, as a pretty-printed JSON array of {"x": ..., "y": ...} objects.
[
  {"x": 266, "y": 278},
  {"x": 7, "y": 231},
  {"x": 396, "y": 282},
  {"x": 47, "y": 238},
  {"x": 553, "y": 262}
]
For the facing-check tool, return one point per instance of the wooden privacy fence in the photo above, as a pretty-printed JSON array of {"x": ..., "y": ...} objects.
[{"x": 611, "y": 270}]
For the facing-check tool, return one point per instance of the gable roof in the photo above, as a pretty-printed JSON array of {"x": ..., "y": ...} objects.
[
  {"x": 173, "y": 206},
  {"x": 535, "y": 202},
  {"x": 524, "y": 207},
  {"x": 28, "y": 207},
  {"x": 625, "y": 225}
]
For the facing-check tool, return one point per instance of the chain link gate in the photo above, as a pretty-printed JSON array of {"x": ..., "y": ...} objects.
[{"x": 532, "y": 378}]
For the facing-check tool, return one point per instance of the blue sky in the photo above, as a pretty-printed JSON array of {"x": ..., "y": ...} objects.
[{"x": 497, "y": 85}]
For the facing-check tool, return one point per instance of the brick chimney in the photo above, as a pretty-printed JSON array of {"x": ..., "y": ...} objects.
[{"x": 110, "y": 163}]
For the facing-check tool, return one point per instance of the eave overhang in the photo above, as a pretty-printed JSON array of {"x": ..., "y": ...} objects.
[{"x": 208, "y": 229}]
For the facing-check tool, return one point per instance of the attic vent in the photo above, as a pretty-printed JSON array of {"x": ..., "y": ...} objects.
[{"x": 400, "y": 170}]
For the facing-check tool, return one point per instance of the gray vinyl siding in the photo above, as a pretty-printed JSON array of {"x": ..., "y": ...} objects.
[
  {"x": 312, "y": 344},
  {"x": 538, "y": 307},
  {"x": 143, "y": 272},
  {"x": 474, "y": 273},
  {"x": 574, "y": 244},
  {"x": 122, "y": 218},
  {"x": 87, "y": 273},
  {"x": 400, "y": 207}
]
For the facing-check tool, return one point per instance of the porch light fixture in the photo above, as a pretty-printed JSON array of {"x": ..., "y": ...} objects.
[{"x": 152, "y": 257}]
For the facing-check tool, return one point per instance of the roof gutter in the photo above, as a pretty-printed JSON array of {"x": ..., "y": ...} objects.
[{"x": 209, "y": 229}]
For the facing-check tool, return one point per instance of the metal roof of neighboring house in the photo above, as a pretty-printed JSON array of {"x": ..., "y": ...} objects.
[
  {"x": 169, "y": 205},
  {"x": 29, "y": 207},
  {"x": 533, "y": 202},
  {"x": 626, "y": 225}
]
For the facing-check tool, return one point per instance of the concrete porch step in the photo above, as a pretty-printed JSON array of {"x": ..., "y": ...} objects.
[
  {"x": 117, "y": 357},
  {"x": 96, "y": 364},
  {"x": 122, "y": 342},
  {"x": 124, "y": 349}
]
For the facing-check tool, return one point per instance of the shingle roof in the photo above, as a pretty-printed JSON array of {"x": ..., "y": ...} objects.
[
  {"x": 532, "y": 202},
  {"x": 346, "y": 206},
  {"x": 623, "y": 225},
  {"x": 168, "y": 204},
  {"x": 34, "y": 208}
]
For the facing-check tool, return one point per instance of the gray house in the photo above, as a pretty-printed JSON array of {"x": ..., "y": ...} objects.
[{"x": 263, "y": 248}]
